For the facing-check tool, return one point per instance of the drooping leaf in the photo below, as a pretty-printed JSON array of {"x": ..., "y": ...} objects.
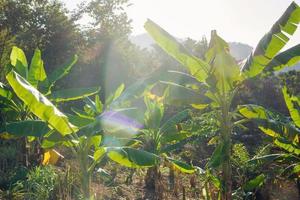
[
  {"x": 287, "y": 58},
  {"x": 36, "y": 71},
  {"x": 39, "y": 104},
  {"x": 269, "y": 122},
  {"x": 181, "y": 166},
  {"x": 273, "y": 41},
  {"x": 253, "y": 111},
  {"x": 72, "y": 94},
  {"x": 285, "y": 134},
  {"x": 293, "y": 104},
  {"x": 19, "y": 61},
  {"x": 27, "y": 128},
  {"x": 133, "y": 158},
  {"x": 197, "y": 67}
]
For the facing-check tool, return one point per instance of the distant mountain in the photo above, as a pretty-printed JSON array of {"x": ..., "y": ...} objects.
[
  {"x": 239, "y": 51},
  {"x": 143, "y": 40}
]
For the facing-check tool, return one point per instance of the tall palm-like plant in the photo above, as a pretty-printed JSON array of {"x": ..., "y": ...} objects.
[{"x": 223, "y": 76}]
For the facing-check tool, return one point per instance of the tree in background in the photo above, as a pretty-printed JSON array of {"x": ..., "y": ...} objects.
[{"x": 42, "y": 24}]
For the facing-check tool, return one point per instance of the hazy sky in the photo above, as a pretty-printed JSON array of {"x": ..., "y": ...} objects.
[{"x": 235, "y": 20}]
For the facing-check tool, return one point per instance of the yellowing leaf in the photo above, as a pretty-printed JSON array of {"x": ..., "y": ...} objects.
[{"x": 51, "y": 157}]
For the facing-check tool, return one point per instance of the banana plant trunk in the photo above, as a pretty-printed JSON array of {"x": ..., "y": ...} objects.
[
  {"x": 151, "y": 177},
  {"x": 226, "y": 130},
  {"x": 85, "y": 177},
  {"x": 153, "y": 182}
]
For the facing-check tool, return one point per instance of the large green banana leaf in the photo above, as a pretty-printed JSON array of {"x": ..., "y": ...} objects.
[
  {"x": 293, "y": 104},
  {"x": 19, "y": 61},
  {"x": 133, "y": 158},
  {"x": 287, "y": 58},
  {"x": 36, "y": 71},
  {"x": 273, "y": 41},
  {"x": 27, "y": 128},
  {"x": 271, "y": 123},
  {"x": 39, "y": 104},
  {"x": 72, "y": 94},
  {"x": 197, "y": 67}
]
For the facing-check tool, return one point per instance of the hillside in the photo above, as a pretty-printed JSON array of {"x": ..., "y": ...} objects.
[{"x": 239, "y": 50}]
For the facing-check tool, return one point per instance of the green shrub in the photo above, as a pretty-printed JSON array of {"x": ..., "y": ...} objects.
[{"x": 40, "y": 183}]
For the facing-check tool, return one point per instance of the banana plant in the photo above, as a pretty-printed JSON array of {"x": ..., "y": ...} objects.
[
  {"x": 35, "y": 74},
  {"x": 15, "y": 111},
  {"x": 161, "y": 137},
  {"x": 83, "y": 136},
  {"x": 284, "y": 131},
  {"x": 222, "y": 76}
]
